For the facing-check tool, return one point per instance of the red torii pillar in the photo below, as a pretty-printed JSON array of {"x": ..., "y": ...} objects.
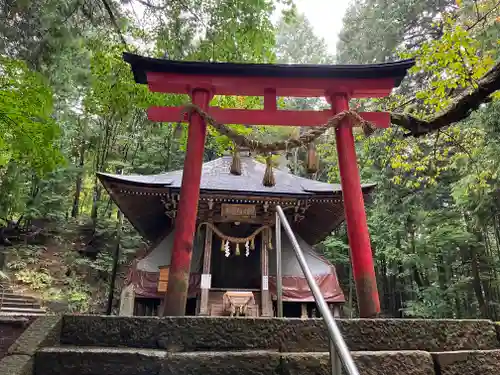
[
  {"x": 185, "y": 222},
  {"x": 337, "y": 83},
  {"x": 357, "y": 229}
]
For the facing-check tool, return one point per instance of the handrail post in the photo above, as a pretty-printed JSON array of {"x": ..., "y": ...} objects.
[
  {"x": 279, "y": 280},
  {"x": 335, "y": 363},
  {"x": 335, "y": 336}
]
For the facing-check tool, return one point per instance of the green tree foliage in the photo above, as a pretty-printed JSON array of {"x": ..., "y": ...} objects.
[
  {"x": 296, "y": 42},
  {"x": 374, "y": 30},
  {"x": 69, "y": 108},
  {"x": 434, "y": 219},
  {"x": 27, "y": 130}
]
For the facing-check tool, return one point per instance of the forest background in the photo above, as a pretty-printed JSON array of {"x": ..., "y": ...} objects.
[{"x": 69, "y": 108}]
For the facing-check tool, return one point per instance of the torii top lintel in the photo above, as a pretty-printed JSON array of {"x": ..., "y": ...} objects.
[
  {"x": 269, "y": 81},
  {"x": 180, "y": 77}
]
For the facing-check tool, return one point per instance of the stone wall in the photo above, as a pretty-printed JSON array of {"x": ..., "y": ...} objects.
[
  {"x": 11, "y": 327},
  {"x": 43, "y": 331}
]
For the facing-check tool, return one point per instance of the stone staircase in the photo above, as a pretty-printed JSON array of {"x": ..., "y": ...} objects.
[
  {"x": 17, "y": 304},
  {"x": 92, "y": 345}
]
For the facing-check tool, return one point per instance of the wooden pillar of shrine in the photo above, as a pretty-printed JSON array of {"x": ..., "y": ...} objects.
[
  {"x": 266, "y": 309},
  {"x": 185, "y": 222},
  {"x": 206, "y": 277},
  {"x": 357, "y": 228}
]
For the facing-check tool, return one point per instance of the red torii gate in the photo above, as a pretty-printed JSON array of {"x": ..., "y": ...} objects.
[{"x": 337, "y": 83}]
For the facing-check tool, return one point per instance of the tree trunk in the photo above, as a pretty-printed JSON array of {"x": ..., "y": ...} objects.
[
  {"x": 95, "y": 202},
  {"x": 443, "y": 282},
  {"x": 79, "y": 183},
  {"x": 476, "y": 283}
]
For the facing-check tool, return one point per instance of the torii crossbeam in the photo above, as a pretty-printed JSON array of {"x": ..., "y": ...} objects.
[{"x": 337, "y": 83}]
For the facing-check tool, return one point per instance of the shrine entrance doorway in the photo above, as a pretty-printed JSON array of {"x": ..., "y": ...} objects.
[{"x": 236, "y": 272}]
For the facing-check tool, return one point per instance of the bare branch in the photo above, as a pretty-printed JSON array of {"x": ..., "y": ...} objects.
[
  {"x": 484, "y": 16},
  {"x": 115, "y": 23}
]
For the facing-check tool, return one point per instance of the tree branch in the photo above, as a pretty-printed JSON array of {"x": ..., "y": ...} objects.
[
  {"x": 459, "y": 110},
  {"x": 153, "y": 6},
  {"x": 484, "y": 16},
  {"x": 115, "y": 23}
]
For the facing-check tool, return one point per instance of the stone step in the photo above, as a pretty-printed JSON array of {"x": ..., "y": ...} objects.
[
  {"x": 287, "y": 335},
  {"x": 14, "y": 296},
  {"x": 19, "y": 299},
  {"x": 470, "y": 362},
  {"x": 21, "y": 304},
  {"x": 22, "y": 310},
  {"x": 111, "y": 361}
]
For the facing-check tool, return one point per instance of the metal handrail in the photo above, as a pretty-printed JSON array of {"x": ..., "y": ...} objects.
[
  {"x": 338, "y": 347},
  {"x": 2, "y": 294}
]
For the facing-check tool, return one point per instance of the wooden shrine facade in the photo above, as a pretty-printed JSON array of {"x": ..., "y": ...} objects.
[{"x": 314, "y": 210}]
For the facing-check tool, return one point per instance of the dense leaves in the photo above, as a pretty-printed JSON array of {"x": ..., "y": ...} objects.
[
  {"x": 434, "y": 219},
  {"x": 69, "y": 108},
  {"x": 27, "y": 130}
]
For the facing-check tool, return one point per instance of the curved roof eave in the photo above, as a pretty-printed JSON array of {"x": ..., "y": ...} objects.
[
  {"x": 305, "y": 194},
  {"x": 141, "y": 64}
]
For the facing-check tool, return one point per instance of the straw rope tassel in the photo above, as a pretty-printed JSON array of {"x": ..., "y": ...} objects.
[
  {"x": 236, "y": 163},
  {"x": 177, "y": 132},
  {"x": 312, "y": 158},
  {"x": 269, "y": 180}
]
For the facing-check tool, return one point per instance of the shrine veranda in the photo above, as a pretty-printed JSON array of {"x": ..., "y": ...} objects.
[{"x": 227, "y": 209}]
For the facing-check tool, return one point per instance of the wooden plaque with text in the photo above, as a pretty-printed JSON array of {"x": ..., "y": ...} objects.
[
  {"x": 238, "y": 211},
  {"x": 163, "y": 281}
]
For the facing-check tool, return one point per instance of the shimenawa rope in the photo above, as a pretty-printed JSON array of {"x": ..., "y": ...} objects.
[{"x": 307, "y": 137}]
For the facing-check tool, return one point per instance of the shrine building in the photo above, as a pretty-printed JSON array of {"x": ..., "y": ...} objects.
[{"x": 234, "y": 244}]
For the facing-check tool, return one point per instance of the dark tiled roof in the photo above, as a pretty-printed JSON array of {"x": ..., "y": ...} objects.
[
  {"x": 141, "y": 65},
  {"x": 216, "y": 177},
  {"x": 147, "y": 213}
]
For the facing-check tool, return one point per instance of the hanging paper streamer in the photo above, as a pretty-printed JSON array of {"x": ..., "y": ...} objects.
[
  {"x": 237, "y": 249},
  {"x": 226, "y": 240}
]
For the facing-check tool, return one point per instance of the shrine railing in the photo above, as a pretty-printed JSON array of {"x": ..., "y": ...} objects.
[{"x": 338, "y": 347}]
